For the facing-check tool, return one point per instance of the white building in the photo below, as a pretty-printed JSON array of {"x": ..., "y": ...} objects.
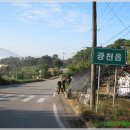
[
  {"x": 124, "y": 85},
  {"x": 2, "y": 65}
]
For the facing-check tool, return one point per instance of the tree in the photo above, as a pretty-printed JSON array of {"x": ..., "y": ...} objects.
[
  {"x": 57, "y": 63},
  {"x": 55, "y": 56},
  {"x": 118, "y": 44},
  {"x": 46, "y": 60},
  {"x": 3, "y": 71},
  {"x": 53, "y": 71}
]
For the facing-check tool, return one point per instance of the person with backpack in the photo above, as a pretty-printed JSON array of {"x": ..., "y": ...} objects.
[
  {"x": 59, "y": 83},
  {"x": 63, "y": 85}
]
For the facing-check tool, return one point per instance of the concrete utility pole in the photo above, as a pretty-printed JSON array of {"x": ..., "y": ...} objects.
[
  {"x": 84, "y": 52},
  {"x": 63, "y": 59},
  {"x": 16, "y": 73},
  {"x": 94, "y": 44}
]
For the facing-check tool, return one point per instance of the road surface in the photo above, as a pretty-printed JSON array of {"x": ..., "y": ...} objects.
[{"x": 32, "y": 105}]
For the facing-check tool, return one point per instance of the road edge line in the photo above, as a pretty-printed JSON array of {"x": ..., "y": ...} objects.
[
  {"x": 54, "y": 94},
  {"x": 57, "y": 116}
]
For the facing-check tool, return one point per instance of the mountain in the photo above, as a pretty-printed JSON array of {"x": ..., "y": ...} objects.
[{"x": 6, "y": 53}]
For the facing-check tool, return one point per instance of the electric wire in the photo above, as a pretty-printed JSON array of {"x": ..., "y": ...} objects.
[
  {"x": 118, "y": 18},
  {"x": 117, "y": 35},
  {"x": 108, "y": 13},
  {"x": 110, "y": 18}
]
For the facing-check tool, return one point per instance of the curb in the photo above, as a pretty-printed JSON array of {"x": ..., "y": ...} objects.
[{"x": 78, "y": 114}]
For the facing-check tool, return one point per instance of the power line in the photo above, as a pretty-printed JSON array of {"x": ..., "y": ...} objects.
[
  {"x": 126, "y": 27},
  {"x": 117, "y": 35},
  {"x": 118, "y": 18},
  {"x": 104, "y": 11},
  {"x": 89, "y": 32},
  {"x": 108, "y": 13},
  {"x": 125, "y": 34},
  {"x": 119, "y": 9}
]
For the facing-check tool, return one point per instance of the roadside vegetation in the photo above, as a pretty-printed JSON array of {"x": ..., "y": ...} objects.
[
  {"x": 82, "y": 59},
  {"x": 107, "y": 115},
  {"x": 29, "y": 69}
]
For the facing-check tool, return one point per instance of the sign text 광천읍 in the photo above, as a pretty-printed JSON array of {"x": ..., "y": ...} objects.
[{"x": 109, "y": 56}]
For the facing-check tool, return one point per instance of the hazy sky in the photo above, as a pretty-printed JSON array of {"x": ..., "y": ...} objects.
[{"x": 37, "y": 29}]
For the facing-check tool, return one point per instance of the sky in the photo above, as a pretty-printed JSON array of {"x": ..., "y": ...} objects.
[{"x": 47, "y": 28}]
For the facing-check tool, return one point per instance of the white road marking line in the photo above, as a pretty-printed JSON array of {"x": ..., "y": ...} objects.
[
  {"x": 5, "y": 97},
  {"x": 54, "y": 94},
  {"x": 57, "y": 116},
  {"x": 19, "y": 96},
  {"x": 14, "y": 98},
  {"x": 22, "y": 96},
  {"x": 8, "y": 95},
  {"x": 40, "y": 100},
  {"x": 29, "y": 98}
]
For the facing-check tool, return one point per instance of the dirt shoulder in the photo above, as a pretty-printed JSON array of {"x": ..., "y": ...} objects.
[{"x": 74, "y": 119}]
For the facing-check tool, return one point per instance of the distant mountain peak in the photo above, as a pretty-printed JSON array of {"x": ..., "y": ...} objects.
[{"x": 6, "y": 53}]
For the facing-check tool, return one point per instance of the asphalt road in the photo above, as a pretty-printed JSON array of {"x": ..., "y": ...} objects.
[{"x": 32, "y": 105}]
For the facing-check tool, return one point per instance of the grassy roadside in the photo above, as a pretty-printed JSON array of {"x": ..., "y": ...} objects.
[
  {"x": 107, "y": 116},
  {"x": 10, "y": 82}
]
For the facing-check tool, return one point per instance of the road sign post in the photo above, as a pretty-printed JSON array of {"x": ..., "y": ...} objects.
[
  {"x": 108, "y": 56},
  {"x": 98, "y": 88},
  {"x": 114, "y": 93}
]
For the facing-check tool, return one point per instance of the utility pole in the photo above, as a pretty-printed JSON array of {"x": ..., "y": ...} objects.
[
  {"x": 94, "y": 44},
  {"x": 63, "y": 60},
  {"x": 16, "y": 73},
  {"x": 84, "y": 51}
]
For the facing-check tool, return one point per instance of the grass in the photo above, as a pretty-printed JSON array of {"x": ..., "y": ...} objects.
[
  {"x": 29, "y": 80},
  {"x": 9, "y": 82},
  {"x": 111, "y": 116},
  {"x": 107, "y": 116}
]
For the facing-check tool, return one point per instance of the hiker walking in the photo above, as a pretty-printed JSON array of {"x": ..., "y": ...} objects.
[
  {"x": 63, "y": 84},
  {"x": 59, "y": 83}
]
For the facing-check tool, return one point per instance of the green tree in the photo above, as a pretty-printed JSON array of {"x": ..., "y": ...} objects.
[{"x": 118, "y": 44}]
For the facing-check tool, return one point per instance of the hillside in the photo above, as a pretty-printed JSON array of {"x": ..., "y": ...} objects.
[
  {"x": 122, "y": 43},
  {"x": 6, "y": 53}
]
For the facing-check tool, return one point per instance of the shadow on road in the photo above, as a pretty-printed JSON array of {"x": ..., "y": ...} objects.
[
  {"x": 29, "y": 119},
  {"x": 18, "y": 85}
]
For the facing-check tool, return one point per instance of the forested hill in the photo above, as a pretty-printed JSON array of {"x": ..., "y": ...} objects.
[
  {"x": 82, "y": 59},
  {"x": 30, "y": 67},
  {"x": 6, "y": 53},
  {"x": 46, "y": 60},
  {"x": 120, "y": 44}
]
